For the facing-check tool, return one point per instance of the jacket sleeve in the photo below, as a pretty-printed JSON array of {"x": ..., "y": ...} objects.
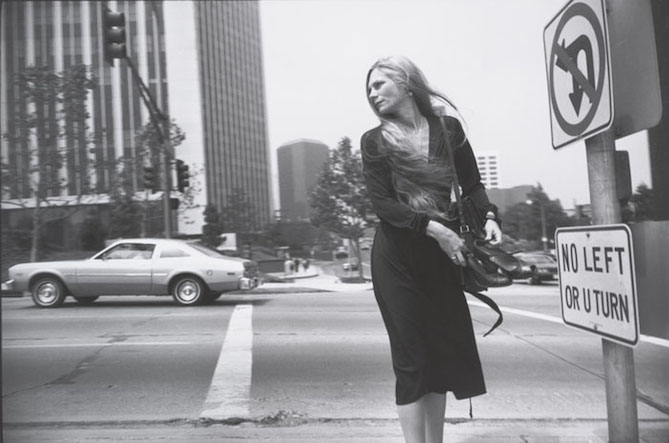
[
  {"x": 381, "y": 191},
  {"x": 468, "y": 171}
]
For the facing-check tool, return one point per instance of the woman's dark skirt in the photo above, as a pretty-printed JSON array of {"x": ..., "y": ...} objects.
[{"x": 427, "y": 317}]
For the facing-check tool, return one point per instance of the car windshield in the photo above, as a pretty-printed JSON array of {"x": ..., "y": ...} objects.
[{"x": 205, "y": 250}]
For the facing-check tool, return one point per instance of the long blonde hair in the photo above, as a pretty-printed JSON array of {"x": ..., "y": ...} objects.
[{"x": 424, "y": 186}]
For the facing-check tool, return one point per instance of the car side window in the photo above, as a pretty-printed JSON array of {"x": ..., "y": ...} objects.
[
  {"x": 130, "y": 251},
  {"x": 172, "y": 252}
]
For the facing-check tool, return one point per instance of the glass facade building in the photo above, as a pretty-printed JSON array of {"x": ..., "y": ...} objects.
[
  {"x": 233, "y": 104},
  {"x": 202, "y": 62}
]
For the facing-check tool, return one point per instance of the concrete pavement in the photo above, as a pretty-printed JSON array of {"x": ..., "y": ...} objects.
[
  {"x": 348, "y": 431},
  {"x": 289, "y": 426}
]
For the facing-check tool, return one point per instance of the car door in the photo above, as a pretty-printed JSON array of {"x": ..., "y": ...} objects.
[{"x": 125, "y": 269}]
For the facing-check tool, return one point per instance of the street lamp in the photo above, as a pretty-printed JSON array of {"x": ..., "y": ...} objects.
[{"x": 542, "y": 209}]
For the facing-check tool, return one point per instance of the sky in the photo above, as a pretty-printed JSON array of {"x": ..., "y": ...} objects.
[{"x": 486, "y": 55}]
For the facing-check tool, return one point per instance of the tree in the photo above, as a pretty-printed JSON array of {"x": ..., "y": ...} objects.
[
  {"x": 643, "y": 201},
  {"x": 211, "y": 230},
  {"x": 126, "y": 211},
  {"x": 339, "y": 200},
  {"x": 51, "y": 163},
  {"x": 92, "y": 232},
  {"x": 523, "y": 220},
  {"x": 150, "y": 144},
  {"x": 238, "y": 215}
]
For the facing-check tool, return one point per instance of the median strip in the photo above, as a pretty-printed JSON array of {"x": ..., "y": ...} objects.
[{"x": 645, "y": 338}]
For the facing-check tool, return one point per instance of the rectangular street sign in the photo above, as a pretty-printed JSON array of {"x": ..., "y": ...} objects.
[{"x": 598, "y": 281}]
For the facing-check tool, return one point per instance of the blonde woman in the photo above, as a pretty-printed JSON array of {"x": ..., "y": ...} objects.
[{"x": 417, "y": 255}]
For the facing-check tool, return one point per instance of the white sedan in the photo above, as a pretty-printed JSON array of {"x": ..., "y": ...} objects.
[{"x": 190, "y": 272}]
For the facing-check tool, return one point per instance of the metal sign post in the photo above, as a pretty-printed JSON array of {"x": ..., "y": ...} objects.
[
  {"x": 576, "y": 43},
  {"x": 618, "y": 359}
]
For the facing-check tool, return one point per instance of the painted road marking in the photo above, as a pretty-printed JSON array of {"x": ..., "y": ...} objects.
[
  {"x": 645, "y": 338},
  {"x": 230, "y": 391},
  {"x": 96, "y": 345}
]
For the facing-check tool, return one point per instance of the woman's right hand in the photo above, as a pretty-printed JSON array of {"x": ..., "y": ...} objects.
[{"x": 448, "y": 241}]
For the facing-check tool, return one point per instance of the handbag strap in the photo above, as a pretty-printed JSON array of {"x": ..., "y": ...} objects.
[{"x": 464, "y": 226}]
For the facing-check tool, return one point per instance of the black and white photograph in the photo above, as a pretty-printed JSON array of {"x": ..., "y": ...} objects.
[{"x": 355, "y": 221}]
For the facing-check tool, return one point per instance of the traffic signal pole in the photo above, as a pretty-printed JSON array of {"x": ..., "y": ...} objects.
[
  {"x": 162, "y": 126},
  {"x": 115, "y": 48}
]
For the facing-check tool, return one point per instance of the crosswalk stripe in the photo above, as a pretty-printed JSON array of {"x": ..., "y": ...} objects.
[{"x": 230, "y": 390}]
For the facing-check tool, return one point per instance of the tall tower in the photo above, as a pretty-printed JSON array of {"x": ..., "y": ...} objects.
[
  {"x": 299, "y": 164},
  {"x": 488, "y": 164},
  {"x": 217, "y": 92}
]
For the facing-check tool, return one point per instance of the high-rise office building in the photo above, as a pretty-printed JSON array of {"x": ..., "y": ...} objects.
[
  {"x": 488, "y": 164},
  {"x": 299, "y": 164},
  {"x": 202, "y": 62},
  {"x": 217, "y": 93}
]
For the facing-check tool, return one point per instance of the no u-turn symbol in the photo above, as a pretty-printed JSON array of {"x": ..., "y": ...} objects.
[{"x": 578, "y": 73}]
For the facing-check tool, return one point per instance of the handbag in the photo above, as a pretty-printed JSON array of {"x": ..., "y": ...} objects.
[{"x": 488, "y": 266}]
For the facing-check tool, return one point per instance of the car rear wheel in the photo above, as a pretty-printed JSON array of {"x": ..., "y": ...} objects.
[
  {"x": 189, "y": 291},
  {"x": 85, "y": 300},
  {"x": 48, "y": 292}
]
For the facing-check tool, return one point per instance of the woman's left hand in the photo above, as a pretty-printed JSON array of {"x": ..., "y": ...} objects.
[{"x": 493, "y": 233}]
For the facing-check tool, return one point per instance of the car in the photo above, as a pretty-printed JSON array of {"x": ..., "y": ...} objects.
[
  {"x": 350, "y": 266},
  {"x": 542, "y": 266},
  {"x": 192, "y": 273},
  {"x": 340, "y": 253}
]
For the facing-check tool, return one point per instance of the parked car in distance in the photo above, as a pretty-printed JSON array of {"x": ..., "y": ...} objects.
[
  {"x": 542, "y": 265},
  {"x": 340, "y": 253},
  {"x": 350, "y": 266},
  {"x": 190, "y": 272}
]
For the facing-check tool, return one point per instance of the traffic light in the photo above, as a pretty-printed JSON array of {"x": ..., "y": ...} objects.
[
  {"x": 149, "y": 177},
  {"x": 114, "y": 35},
  {"x": 182, "y": 176}
]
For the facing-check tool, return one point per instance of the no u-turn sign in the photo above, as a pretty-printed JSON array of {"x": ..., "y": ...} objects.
[{"x": 579, "y": 76}]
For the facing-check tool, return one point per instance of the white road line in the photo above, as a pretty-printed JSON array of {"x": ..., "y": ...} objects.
[
  {"x": 645, "y": 338},
  {"x": 230, "y": 391},
  {"x": 95, "y": 345}
]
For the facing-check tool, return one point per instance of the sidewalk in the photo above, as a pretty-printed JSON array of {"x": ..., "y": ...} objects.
[
  {"x": 316, "y": 279},
  {"x": 348, "y": 431}
]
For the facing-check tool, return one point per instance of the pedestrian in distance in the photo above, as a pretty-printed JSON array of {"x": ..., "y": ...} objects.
[{"x": 417, "y": 256}]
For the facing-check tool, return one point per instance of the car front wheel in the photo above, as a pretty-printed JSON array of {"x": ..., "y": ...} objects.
[
  {"x": 189, "y": 291},
  {"x": 48, "y": 292}
]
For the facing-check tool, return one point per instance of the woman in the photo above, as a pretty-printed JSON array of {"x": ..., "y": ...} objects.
[{"x": 417, "y": 255}]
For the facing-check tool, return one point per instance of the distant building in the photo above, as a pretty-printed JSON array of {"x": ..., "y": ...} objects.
[
  {"x": 488, "y": 164},
  {"x": 299, "y": 163},
  {"x": 202, "y": 62},
  {"x": 505, "y": 198}
]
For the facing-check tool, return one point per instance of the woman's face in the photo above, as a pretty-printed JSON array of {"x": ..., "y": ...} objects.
[{"x": 385, "y": 95}]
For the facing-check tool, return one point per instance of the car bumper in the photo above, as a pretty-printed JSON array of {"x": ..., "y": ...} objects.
[
  {"x": 546, "y": 275},
  {"x": 9, "y": 286},
  {"x": 248, "y": 283}
]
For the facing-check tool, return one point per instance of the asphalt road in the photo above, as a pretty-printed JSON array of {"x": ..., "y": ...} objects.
[{"x": 290, "y": 358}]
